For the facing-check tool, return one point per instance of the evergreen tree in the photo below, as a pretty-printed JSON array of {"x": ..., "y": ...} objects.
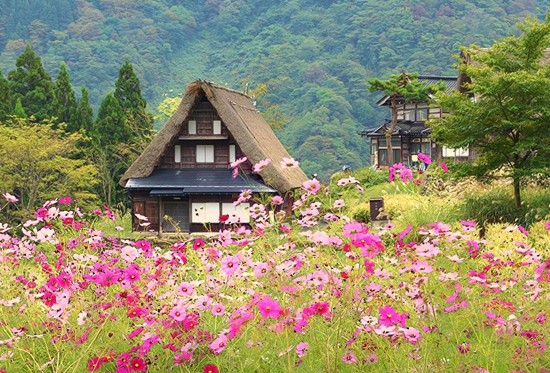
[
  {"x": 5, "y": 97},
  {"x": 128, "y": 94},
  {"x": 401, "y": 88},
  {"x": 64, "y": 104},
  {"x": 18, "y": 110},
  {"x": 30, "y": 83},
  {"x": 84, "y": 114},
  {"x": 110, "y": 127}
]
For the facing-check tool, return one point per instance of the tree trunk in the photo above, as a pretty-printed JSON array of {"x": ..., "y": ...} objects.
[
  {"x": 517, "y": 192},
  {"x": 389, "y": 132}
]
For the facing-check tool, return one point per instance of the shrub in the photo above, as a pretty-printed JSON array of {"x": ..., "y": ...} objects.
[{"x": 496, "y": 206}]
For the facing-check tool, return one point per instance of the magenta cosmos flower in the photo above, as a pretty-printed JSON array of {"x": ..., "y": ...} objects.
[{"x": 269, "y": 307}]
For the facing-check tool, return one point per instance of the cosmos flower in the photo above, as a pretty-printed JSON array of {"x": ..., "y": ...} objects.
[
  {"x": 258, "y": 167},
  {"x": 269, "y": 308},
  {"x": 289, "y": 163}
]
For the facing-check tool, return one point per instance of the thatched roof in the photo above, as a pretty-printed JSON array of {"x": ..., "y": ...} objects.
[{"x": 249, "y": 129}]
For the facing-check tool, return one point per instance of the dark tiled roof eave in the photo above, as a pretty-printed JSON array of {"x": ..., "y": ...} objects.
[{"x": 192, "y": 181}]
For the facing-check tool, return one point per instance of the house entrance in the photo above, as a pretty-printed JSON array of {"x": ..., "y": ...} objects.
[{"x": 178, "y": 216}]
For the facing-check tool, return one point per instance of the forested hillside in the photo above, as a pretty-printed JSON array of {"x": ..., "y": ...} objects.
[{"x": 314, "y": 56}]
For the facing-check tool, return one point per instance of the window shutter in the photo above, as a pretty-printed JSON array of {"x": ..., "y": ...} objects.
[
  {"x": 217, "y": 127},
  {"x": 192, "y": 127},
  {"x": 177, "y": 153}
]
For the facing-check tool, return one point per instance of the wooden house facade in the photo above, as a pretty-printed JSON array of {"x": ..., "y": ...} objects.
[
  {"x": 411, "y": 135},
  {"x": 183, "y": 181}
]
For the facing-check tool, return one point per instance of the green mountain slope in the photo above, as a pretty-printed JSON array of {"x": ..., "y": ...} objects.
[{"x": 315, "y": 56}]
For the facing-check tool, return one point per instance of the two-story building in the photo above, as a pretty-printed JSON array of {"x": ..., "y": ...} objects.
[
  {"x": 183, "y": 181},
  {"x": 411, "y": 135}
]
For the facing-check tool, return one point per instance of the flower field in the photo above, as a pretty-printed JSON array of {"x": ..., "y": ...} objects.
[{"x": 311, "y": 292}]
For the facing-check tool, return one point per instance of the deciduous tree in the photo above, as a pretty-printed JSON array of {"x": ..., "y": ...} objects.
[{"x": 505, "y": 112}]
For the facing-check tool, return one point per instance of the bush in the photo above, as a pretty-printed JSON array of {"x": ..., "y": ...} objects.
[{"x": 497, "y": 206}]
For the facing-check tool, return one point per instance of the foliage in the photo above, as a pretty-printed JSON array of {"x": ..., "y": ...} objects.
[
  {"x": 32, "y": 85},
  {"x": 508, "y": 123},
  {"x": 319, "y": 292},
  {"x": 37, "y": 163},
  {"x": 493, "y": 206},
  {"x": 400, "y": 89},
  {"x": 64, "y": 104},
  {"x": 312, "y": 54}
]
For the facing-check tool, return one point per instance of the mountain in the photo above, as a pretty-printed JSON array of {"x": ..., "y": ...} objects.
[{"x": 311, "y": 59}]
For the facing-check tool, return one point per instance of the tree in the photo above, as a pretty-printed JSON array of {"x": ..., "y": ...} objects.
[
  {"x": 32, "y": 84},
  {"x": 505, "y": 111},
  {"x": 5, "y": 97},
  {"x": 401, "y": 89},
  {"x": 64, "y": 104},
  {"x": 128, "y": 94},
  {"x": 84, "y": 115},
  {"x": 37, "y": 163}
]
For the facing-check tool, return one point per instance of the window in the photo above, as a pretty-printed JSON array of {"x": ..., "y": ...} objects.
[
  {"x": 232, "y": 153},
  {"x": 192, "y": 127},
  {"x": 421, "y": 114},
  {"x": 205, "y": 212},
  {"x": 217, "y": 127},
  {"x": 451, "y": 153},
  {"x": 177, "y": 153},
  {"x": 205, "y": 153},
  {"x": 241, "y": 211}
]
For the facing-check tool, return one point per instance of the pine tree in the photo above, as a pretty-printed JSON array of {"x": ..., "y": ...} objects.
[
  {"x": 18, "y": 110},
  {"x": 84, "y": 115},
  {"x": 110, "y": 127},
  {"x": 30, "y": 83},
  {"x": 128, "y": 94},
  {"x": 5, "y": 97},
  {"x": 64, "y": 104}
]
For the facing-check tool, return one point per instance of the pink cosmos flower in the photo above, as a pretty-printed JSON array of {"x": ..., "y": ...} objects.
[
  {"x": 138, "y": 365},
  {"x": 198, "y": 244},
  {"x": 230, "y": 264},
  {"x": 277, "y": 200},
  {"x": 129, "y": 253},
  {"x": 427, "y": 250},
  {"x": 10, "y": 197},
  {"x": 444, "y": 167},
  {"x": 349, "y": 358},
  {"x": 210, "y": 368},
  {"x": 388, "y": 316},
  {"x": 219, "y": 344},
  {"x": 311, "y": 186},
  {"x": 269, "y": 308},
  {"x": 123, "y": 360},
  {"x": 238, "y": 162},
  {"x": 543, "y": 272},
  {"x": 178, "y": 313},
  {"x": 65, "y": 200},
  {"x": 301, "y": 349},
  {"x": 185, "y": 288},
  {"x": 338, "y": 203},
  {"x": 258, "y": 167},
  {"x": 261, "y": 269},
  {"x": 406, "y": 175},
  {"x": 289, "y": 163},
  {"x": 95, "y": 363},
  {"x": 218, "y": 309},
  {"x": 424, "y": 158}
]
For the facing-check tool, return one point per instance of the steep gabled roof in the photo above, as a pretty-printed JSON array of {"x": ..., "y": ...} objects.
[{"x": 249, "y": 129}]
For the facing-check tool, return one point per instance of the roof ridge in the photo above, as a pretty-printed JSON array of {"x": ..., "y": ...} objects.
[{"x": 214, "y": 85}]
